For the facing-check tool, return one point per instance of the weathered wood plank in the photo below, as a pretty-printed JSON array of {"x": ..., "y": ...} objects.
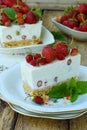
[
  {"x": 47, "y": 22},
  {"x": 79, "y": 123},
  {"x": 7, "y": 117},
  {"x": 54, "y": 4},
  {"x": 31, "y": 123},
  {"x": 57, "y": 1}
]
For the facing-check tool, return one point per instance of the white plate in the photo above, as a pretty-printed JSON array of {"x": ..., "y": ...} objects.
[
  {"x": 61, "y": 116},
  {"x": 12, "y": 90},
  {"x": 46, "y": 37},
  {"x": 71, "y": 32},
  {"x": 51, "y": 116}
]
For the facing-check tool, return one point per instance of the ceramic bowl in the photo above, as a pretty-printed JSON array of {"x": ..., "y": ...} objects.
[{"x": 82, "y": 36}]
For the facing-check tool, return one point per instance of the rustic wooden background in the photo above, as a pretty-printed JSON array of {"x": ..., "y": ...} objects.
[
  {"x": 54, "y": 4},
  {"x": 10, "y": 120}
]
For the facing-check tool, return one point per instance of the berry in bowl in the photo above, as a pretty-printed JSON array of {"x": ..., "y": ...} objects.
[{"x": 73, "y": 22}]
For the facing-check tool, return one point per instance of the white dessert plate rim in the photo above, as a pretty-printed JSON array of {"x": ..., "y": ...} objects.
[
  {"x": 59, "y": 116},
  {"x": 12, "y": 90},
  {"x": 51, "y": 116}
]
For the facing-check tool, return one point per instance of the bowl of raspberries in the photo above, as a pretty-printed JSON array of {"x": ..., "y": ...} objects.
[{"x": 73, "y": 22}]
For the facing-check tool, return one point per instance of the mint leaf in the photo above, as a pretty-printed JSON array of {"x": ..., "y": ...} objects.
[
  {"x": 58, "y": 36},
  {"x": 72, "y": 87},
  {"x": 59, "y": 91},
  {"x": 68, "y": 9},
  {"x": 82, "y": 87},
  {"x": 73, "y": 94},
  {"x": 10, "y": 13},
  {"x": 71, "y": 83},
  {"x": 37, "y": 11}
]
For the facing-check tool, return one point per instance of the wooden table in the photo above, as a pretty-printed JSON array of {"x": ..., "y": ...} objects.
[{"x": 10, "y": 120}]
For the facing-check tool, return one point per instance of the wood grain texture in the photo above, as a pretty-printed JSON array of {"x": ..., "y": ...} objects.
[
  {"x": 7, "y": 117},
  {"x": 54, "y": 4},
  {"x": 31, "y": 123},
  {"x": 79, "y": 123}
]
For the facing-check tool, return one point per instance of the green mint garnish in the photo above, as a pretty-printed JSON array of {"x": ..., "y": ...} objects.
[
  {"x": 68, "y": 9},
  {"x": 10, "y": 13},
  {"x": 82, "y": 87},
  {"x": 37, "y": 11},
  {"x": 58, "y": 36},
  {"x": 73, "y": 88},
  {"x": 59, "y": 91}
]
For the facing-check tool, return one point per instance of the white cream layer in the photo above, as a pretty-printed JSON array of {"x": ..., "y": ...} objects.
[
  {"x": 50, "y": 74},
  {"x": 20, "y": 32}
]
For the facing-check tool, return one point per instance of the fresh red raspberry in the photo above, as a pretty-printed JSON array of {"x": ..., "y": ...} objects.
[
  {"x": 9, "y": 3},
  {"x": 74, "y": 51},
  {"x": 4, "y": 18},
  {"x": 83, "y": 8},
  {"x": 49, "y": 53},
  {"x": 29, "y": 58},
  {"x": 31, "y": 18},
  {"x": 20, "y": 19},
  {"x": 42, "y": 61},
  {"x": 70, "y": 23},
  {"x": 38, "y": 100},
  {"x": 60, "y": 56},
  {"x": 81, "y": 17},
  {"x": 64, "y": 18},
  {"x": 61, "y": 48},
  {"x": 23, "y": 7},
  {"x": 83, "y": 27},
  {"x": 37, "y": 56},
  {"x": 33, "y": 62}
]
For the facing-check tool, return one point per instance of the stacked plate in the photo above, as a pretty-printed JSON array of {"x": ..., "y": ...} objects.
[{"x": 11, "y": 82}]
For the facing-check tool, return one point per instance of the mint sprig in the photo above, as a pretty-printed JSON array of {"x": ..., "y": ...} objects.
[
  {"x": 68, "y": 9},
  {"x": 59, "y": 91},
  {"x": 73, "y": 88},
  {"x": 37, "y": 11},
  {"x": 11, "y": 14},
  {"x": 58, "y": 36},
  {"x": 82, "y": 87}
]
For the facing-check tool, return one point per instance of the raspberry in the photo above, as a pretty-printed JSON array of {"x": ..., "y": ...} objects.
[
  {"x": 4, "y": 18},
  {"x": 38, "y": 100},
  {"x": 20, "y": 19},
  {"x": 83, "y": 27},
  {"x": 37, "y": 56},
  {"x": 60, "y": 56},
  {"x": 42, "y": 61},
  {"x": 74, "y": 51},
  {"x": 33, "y": 62},
  {"x": 61, "y": 48},
  {"x": 9, "y": 3},
  {"x": 49, "y": 53},
  {"x": 29, "y": 58},
  {"x": 31, "y": 18},
  {"x": 70, "y": 23},
  {"x": 68, "y": 97}
]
